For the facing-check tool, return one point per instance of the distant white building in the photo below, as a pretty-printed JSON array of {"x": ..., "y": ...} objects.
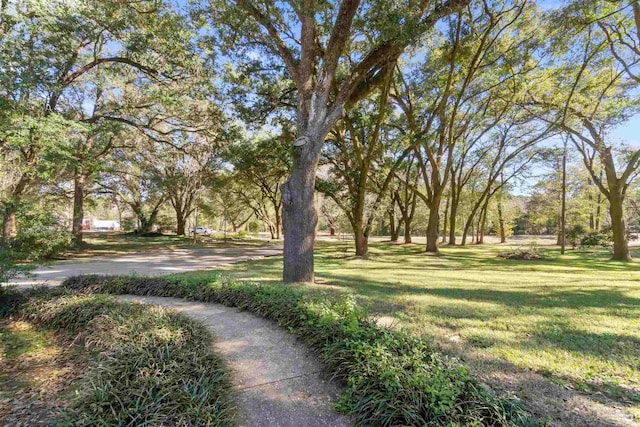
[{"x": 93, "y": 224}]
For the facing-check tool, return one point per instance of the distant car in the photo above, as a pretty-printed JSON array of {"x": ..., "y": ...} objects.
[{"x": 206, "y": 231}]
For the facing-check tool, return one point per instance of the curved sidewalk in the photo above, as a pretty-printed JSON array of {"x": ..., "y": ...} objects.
[{"x": 277, "y": 378}]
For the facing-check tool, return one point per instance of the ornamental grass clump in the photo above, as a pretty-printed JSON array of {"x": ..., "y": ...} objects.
[
  {"x": 390, "y": 377},
  {"x": 148, "y": 365}
]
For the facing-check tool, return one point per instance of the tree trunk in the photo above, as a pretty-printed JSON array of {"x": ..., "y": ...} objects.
[
  {"x": 465, "y": 231},
  {"x": 482, "y": 228},
  {"x": 182, "y": 222},
  {"x": 272, "y": 230},
  {"x": 9, "y": 226},
  {"x": 299, "y": 214},
  {"x": 598, "y": 212},
  {"x": 79, "y": 180},
  {"x": 599, "y": 207},
  {"x": 619, "y": 229},
  {"x": 394, "y": 230},
  {"x": 278, "y": 223},
  {"x": 453, "y": 212},
  {"x": 433, "y": 226},
  {"x": 503, "y": 234},
  {"x": 446, "y": 222},
  {"x": 592, "y": 218},
  {"x": 407, "y": 232},
  {"x": 362, "y": 242},
  {"x": 563, "y": 207}
]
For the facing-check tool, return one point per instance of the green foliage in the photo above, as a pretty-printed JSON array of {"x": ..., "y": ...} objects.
[
  {"x": 35, "y": 244},
  {"x": 597, "y": 238},
  {"x": 149, "y": 365},
  {"x": 575, "y": 234},
  {"x": 390, "y": 377}
]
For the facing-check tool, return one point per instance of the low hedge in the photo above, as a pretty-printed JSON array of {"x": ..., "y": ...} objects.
[
  {"x": 390, "y": 377},
  {"x": 148, "y": 365}
]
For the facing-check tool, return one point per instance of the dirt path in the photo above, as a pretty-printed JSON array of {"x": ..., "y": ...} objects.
[{"x": 277, "y": 378}]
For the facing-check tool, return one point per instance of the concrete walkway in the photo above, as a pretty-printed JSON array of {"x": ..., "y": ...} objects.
[
  {"x": 152, "y": 263},
  {"x": 277, "y": 377}
]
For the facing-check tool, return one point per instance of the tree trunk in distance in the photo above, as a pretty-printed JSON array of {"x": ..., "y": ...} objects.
[
  {"x": 78, "y": 207},
  {"x": 9, "y": 226},
  {"x": 563, "y": 208},
  {"x": 394, "y": 231},
  {"x": 362, "y": 242},
  {"x": 278, "y": 224},
  {"x": 503, "y": 235},
  {"x": 433, "y": 226},
  {"x": 182, "y": 221},
  {"x": 407, "y": 233},
  {"x": 453, "y": 211},
  {"x": 446, "y": 221},
  {"x": 619, "y": 229}
]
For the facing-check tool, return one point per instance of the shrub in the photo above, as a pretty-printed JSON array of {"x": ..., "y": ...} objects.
[
  {"x": 595, "y": 238},
  {"x": 390, "y": 377},
  {"x": 149, "y": 365},
  {"x": 40, "y": 243},
  {"x": 575, "y": 235}
]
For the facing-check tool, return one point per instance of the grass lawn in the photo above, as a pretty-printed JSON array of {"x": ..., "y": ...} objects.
[
  {"x": 96, "y": 244},
  {"x": 573, "y": 320}
]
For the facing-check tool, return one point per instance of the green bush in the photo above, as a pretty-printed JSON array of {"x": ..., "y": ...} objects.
[
  {"x": 575, "y": 234},
  {"x": 390, "y": 377},
  {"x": 595, "y": 238},
  {"x": 148, "y": 365},
  {"x": 40, "y": 243}
]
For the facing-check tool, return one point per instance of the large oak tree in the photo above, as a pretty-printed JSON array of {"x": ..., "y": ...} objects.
[{"x": 335, "y": 52}]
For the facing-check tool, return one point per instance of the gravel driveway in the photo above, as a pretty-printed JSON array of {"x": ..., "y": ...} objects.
[{"x": 152, "y": 263}]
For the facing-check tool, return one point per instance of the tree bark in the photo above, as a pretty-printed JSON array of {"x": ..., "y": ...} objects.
[
  {"x": 181, "y": 222},
  {"x": 503, "y": 234},
  {"x": 299, "y": 213},
  {"x": 453, "y": 212},
  {"x": 433, "y": 226},
  {"x": 598, "y": 208},
  {"x": 618, "y": 228},
  {"x": 407, "y": 232},
  {"x": 563, "y": 207},
  {"x": 465, "y": 231},
  {"x": 9, "y": 226},
  {"x": 446, "y": 222},
  {"x": 362, "y": 242},
  {"x": 592, "y": 218},
  {"x": 394, "y": 230},
  {"x": 278, "y": 223},
  {"x": 482, "y": 226},
  {"x": 79, "y": 181}
]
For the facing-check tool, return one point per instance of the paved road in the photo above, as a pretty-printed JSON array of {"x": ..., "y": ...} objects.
[
  {"x": 277, "y": 378},
  {"x": 152, "y": 263}
]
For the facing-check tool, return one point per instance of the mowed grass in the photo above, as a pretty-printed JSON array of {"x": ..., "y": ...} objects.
[
  {"x": 573, "y": 318},
  {"x": 115, "y": 243}
]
